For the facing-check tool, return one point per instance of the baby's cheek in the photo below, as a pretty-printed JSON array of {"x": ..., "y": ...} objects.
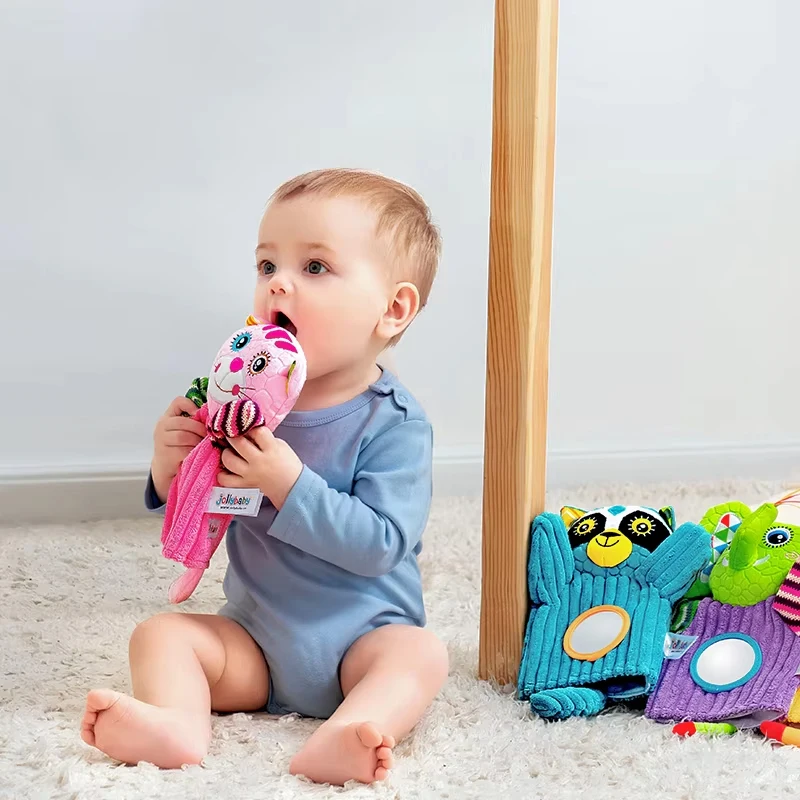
[{"x": 260, "y": 296}]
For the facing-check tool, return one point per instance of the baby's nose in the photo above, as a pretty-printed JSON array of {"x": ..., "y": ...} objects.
[{"x": 236, "y": 364}]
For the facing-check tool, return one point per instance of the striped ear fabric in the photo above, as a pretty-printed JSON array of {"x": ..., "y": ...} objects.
[
  {"x": 787, "y": 600},
  {"x": 235, "y": 418}
]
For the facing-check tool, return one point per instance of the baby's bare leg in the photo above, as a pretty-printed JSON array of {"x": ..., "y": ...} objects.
[
  {"x": 182, "y": 667},
  {"x": 389, "y": 678}
]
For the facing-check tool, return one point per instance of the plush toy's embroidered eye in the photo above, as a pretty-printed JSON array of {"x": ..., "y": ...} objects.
[
  {"x": 240, "y": 342},
  {"x": 644, "y": 530},
  {"x": 777, "y": 537},
  {"x": 586, "y": 528},
  {"x": 641, "y": 526},
  {"x": 258, "y": 364}
]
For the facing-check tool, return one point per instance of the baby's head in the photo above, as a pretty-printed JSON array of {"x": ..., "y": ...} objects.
[{"x": 346, "y": 260}]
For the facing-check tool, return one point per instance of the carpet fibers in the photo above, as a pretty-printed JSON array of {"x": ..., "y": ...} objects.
[{"x": 72, "y": 594}]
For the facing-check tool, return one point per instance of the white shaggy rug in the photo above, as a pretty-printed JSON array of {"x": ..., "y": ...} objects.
[{"x": 72, "y": 594}]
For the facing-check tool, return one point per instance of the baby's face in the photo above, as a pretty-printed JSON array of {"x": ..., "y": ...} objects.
[{"x": 323, "y": 275}]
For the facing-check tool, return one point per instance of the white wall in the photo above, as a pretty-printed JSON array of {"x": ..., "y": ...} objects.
[
  {"x": 677, "y": 249},
  {"x": 141, "y": 139}
]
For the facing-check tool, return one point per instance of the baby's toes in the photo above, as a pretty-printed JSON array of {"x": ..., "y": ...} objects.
[
  {"x": 388, "y": 741},
  {"x": 381, "y": 774},
  {"x": 87, "y": 733},
  {"x": 385, "y": 757},
  {"x": 87, "y": 727}
]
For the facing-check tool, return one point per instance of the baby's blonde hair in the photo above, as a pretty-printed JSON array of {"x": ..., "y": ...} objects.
[{"x": 403, "y": 219}]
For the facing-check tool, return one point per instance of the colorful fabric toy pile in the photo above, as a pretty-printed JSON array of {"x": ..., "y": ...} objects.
[
  {"x": 741, "y": 661},
  {"x": 702, "y": 621}
]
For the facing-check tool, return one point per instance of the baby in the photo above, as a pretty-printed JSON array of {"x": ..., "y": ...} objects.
[{"x": 324, "y": 614}]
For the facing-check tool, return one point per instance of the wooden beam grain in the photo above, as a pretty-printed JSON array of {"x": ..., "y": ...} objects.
[{"x": 520, "y": 244}]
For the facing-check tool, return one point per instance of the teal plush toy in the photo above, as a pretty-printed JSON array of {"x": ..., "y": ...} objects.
[{"x": 602, "y": 585}]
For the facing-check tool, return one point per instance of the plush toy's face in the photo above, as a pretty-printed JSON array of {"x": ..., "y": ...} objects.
[
  {"x": 611, "y": 534},
  {"x": 758, "y": 558},
  {"x": 260, "y": 362}
]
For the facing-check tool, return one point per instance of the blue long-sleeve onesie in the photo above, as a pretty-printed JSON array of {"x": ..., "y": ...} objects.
[{"x": 340, "y": 557}]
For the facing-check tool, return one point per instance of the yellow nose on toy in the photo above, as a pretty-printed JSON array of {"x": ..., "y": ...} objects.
[{"x": 609, "y": 548}]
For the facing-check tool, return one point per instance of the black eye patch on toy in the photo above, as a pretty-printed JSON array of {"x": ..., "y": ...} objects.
[
  {"x": 585, "y": 529},
  {"x": 645, "y": 530}
]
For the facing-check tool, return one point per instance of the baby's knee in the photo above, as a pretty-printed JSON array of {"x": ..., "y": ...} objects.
[
  {"x": 434, "y": 655},
  {"x": 156, "y": 628},
  {"x": 422, "y": 649}
]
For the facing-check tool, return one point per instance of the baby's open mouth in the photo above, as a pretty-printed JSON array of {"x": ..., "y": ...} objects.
[{"x": 284, "y": 322}]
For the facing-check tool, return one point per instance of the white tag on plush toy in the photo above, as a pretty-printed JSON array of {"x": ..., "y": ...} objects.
[
  {"x": 243, "y": 502},
  {"x": 676, "y": 644}
]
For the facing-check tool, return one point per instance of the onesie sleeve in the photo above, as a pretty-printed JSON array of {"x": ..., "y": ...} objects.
[
  {"x": 151, "y": 499},
  {"x": 370, "y": 531}
]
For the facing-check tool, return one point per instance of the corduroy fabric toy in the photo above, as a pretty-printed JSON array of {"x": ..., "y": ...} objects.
[
  {"x": 602, "y": 585},
  {"x": 255, "y": 380},
  {"x": 742, "y": 657}
]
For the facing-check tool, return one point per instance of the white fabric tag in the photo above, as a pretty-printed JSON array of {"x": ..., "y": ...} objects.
[
  {"x": 243, "y": 502},
  {"x": 676, "y": 644}
]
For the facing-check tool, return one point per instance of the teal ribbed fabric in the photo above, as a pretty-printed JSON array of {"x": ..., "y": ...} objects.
[{"x": 563, "y": 583}]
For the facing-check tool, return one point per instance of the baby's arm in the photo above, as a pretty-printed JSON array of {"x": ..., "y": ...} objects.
[{"x": 370, "y": 531}]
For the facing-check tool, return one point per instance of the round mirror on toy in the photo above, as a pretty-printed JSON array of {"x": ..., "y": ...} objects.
[
  {"x": 255, "y": 379},
  {"x": 725, "y": 662},
  {"x": 596, "y": 632}
]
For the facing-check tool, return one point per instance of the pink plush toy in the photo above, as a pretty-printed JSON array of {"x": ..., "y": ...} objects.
[{"x": 256, "y": 378}]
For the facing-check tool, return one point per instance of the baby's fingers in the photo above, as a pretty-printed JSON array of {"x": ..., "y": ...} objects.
[
  {"x": 181, "y": 439},
  {"x": 185, "y": 424},
  {"x": 180, "y": 454},
  {"x": 229, "y": 481},
  {"x": 181, "y": 405}
]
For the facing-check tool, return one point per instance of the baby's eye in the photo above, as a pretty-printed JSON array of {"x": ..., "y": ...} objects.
[
  {"x": 267, "y": 268},
  {"x": 316, "y": 268}
]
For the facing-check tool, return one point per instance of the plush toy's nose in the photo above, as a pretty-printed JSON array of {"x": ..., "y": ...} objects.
[{"x": 236, "y": 364}]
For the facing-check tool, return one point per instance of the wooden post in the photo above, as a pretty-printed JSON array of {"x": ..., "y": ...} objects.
[{"x": 520, "y": 241}]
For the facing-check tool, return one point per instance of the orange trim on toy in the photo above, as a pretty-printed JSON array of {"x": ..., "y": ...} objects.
[
  {"x": 626, "y": 626},
  {"x": 790, "y": 499}
]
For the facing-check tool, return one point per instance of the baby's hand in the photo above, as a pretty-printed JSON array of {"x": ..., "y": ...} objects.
[
  {"x": 175, "y": 436},
  {"x": 258, "y": 460}
]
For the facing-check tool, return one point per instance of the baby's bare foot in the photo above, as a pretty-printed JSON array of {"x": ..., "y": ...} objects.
[
  {"x": 131, "y": 731},
  {"x": 339, "y": 753}
]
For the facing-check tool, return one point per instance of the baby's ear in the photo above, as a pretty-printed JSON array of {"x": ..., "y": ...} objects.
[{"x": 400, "y": 312}]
